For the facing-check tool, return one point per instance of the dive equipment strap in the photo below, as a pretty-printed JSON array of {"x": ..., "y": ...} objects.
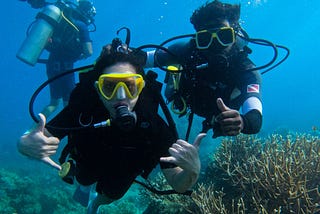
[
  {"x": 190, "y": 120},
  {"x": 50, "y": 20},
  {"x": 151, "y": 79}
]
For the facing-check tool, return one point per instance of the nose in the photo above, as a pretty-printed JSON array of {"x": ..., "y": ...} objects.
[{"x": 121, "y": 94}]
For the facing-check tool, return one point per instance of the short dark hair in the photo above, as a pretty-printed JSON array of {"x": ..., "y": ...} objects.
[
  {"x": 213, "y": 13},
  {"x": 87, "y": 8},
  {"x": 110, "y": 56}
]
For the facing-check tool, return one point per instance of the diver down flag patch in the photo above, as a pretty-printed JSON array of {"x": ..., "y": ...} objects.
[{"x": 253, "y": 88}]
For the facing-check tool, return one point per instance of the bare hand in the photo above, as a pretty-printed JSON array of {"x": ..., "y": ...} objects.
[
  {"x": 38, "y": 146},
  {"x": 185, "y": 155},
  {"x": 229, "y": 120}
]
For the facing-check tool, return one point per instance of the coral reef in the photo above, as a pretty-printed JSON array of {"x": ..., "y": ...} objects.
[
  {"x": 28, "y": 192},
  {"x": 250, "y": 175},
  {"x": 37, "y": 189},
  {"x": 166, "y": 204},
  {"x": 246, "y": 174}
]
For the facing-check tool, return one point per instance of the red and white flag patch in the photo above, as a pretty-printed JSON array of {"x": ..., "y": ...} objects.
[{"x": 253, "y": 88}]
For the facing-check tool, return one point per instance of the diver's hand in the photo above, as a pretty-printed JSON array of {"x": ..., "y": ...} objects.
[
  {"x": 38, "y": 146},
  {"x": 186, "y": 155},
  {"x": 229, "y": 120}
]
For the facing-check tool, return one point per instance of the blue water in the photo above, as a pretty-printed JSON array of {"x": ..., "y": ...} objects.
[{"x": 290, "y": 91}]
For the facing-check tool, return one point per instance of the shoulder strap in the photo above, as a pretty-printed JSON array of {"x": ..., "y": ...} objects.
[{"x": 155, "y": 89}]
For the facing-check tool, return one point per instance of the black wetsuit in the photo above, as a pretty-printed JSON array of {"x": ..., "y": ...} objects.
[
  {"x": 109, "y": 156},
  {"x": 226, "y": 76}
]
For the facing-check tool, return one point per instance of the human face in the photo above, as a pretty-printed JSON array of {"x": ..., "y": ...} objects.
[
  {"x": 119, "y": 85},
  {"x": 215, "y": 36}
]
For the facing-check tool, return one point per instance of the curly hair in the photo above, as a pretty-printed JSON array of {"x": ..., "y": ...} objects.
[
  {"x": 119, "y": 52},
  {"x": 213, "y": 13}
]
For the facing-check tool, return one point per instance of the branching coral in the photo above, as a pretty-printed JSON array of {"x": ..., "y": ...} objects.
[{"x": 274, "y": 175}]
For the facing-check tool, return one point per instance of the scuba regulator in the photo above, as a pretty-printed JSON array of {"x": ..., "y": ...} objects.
[{"x": 125, "y": 119}]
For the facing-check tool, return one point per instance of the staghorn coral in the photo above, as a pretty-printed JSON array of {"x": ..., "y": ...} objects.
[{"x": 275, "y": 175}]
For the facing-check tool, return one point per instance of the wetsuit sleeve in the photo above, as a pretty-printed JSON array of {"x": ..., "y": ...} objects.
[
  {"x": 162, "y": 139},
  {"x": 252, "y": 122},
  {"x": 249, "y": 83},
  {"x": 167, "y": 138},
  {"x": 176, "y": 55}
]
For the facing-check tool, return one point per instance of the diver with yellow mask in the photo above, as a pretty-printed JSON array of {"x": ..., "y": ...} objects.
[{"x": 114, "y": 132}]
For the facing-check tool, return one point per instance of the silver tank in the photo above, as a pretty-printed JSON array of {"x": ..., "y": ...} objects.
[{"x": 39, "y": 35}]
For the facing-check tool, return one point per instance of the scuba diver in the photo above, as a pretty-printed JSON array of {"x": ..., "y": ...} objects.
[
  {"x": 115, "y": 132},
  {"x": 61, "y": 28},
  {"x": 210, "y": 75}
]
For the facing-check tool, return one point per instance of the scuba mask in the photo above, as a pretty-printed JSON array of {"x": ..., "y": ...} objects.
[
  {"x": 121, "y": 85},
  {"x": 109, "y": 84},
  {"x": 224, "y": 35}
]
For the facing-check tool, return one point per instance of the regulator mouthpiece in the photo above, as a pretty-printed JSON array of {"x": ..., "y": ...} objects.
[{"x": 125, "y": 119}]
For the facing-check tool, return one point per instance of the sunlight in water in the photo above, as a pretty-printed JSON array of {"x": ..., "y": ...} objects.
[
  {"x": 256, "y": 2},
  {"x": 245, "y": 2}
]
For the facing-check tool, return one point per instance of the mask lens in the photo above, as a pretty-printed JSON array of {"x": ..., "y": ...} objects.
[
  {"x": 108, "y": 86},
  {"x": 204, "y": 39},
  {"x": 131, "y": 86},
  {"x": 225, "y": 36}
]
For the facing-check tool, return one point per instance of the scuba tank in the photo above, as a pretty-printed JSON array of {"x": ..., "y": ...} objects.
[{"x": 40, "y": 32}]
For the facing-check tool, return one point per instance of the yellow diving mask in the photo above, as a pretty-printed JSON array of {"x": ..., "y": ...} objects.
[
  {"x": 224, "y": 35},
  {"x": 109, "y": 84}
]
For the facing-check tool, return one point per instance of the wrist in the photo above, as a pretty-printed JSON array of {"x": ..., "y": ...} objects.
[
  {"x": 241, "y": 123},
  {"x": 252, "y": 122}
]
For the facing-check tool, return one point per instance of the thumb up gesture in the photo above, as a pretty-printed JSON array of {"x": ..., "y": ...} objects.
[{"x": 229, "y": 120}]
